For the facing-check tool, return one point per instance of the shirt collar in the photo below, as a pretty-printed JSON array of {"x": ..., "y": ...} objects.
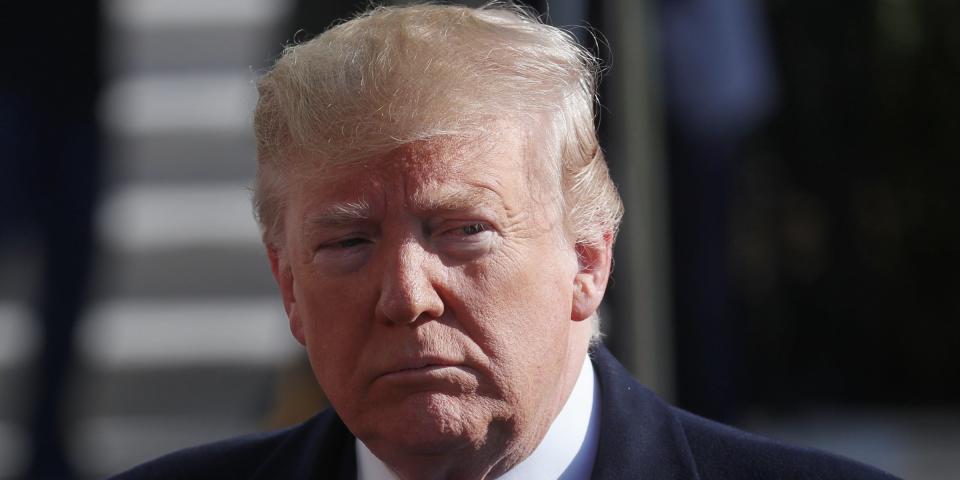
[{"x": 566, "y": 452}]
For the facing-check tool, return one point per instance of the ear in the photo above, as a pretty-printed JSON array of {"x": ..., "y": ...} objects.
[
  {"x": 280, "y": 266},
  {"x": 592, "y": 275}
]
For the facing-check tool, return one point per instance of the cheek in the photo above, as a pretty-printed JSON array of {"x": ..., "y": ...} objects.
[
  {"x": 521, "y": 323},
  {"x": 516, "y": 306},
  {"x": 332, "y": 314}
]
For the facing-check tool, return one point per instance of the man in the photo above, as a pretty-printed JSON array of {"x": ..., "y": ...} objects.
[{"x": 439, "y": 219}]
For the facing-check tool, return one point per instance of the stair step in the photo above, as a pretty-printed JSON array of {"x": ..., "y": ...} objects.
[
  {"x": 208, "y": 101},
  {"x": 120, "y": 335}
]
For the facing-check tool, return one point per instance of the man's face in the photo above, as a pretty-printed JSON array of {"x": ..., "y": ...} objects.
[{"x": 436, "y": 295}]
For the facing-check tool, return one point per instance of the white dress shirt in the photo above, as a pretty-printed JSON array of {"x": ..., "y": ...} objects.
[{"x": 566, "y": 452}]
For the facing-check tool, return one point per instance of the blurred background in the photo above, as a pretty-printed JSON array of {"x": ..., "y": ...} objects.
[{"x": 787, "y": 264}]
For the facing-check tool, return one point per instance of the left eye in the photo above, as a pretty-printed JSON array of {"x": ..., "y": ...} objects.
[
  {"x": 473, "y": 229},
  {"x": 466, "y": 241}
]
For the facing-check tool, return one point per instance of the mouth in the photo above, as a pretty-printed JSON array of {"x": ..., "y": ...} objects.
[{"x": 423, "y": 369}]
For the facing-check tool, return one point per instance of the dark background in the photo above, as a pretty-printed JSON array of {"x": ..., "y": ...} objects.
[{"x": 809, "y": 155}]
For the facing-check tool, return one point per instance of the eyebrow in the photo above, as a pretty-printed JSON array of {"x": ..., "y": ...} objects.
[
  {"x": 348, "y": 213},
  {"x": 340, "y": 214},
  {"x": 458, "y": 199}
]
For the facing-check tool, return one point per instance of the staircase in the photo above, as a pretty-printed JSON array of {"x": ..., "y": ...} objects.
[{"x": 185, "y": 336}]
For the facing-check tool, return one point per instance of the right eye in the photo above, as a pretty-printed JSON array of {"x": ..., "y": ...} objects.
[
  {"x": 349, "y": 242},
  {"x": 342, "y": 255}
]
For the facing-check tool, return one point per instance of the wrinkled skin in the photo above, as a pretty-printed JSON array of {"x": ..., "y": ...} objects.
[{"x": 441, "y": 304}]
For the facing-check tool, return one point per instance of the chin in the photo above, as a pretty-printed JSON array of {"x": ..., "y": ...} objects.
[{"x": 428, "y": 424}]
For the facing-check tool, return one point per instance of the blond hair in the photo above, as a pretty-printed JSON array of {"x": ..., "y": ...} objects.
[{"x": 395, "y": 75}]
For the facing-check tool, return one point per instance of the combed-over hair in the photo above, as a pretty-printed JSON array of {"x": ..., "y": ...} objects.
[{"x": 394, "y": 75}]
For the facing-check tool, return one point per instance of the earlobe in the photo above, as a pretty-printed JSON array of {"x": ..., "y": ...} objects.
[
  {"x": 284, "y": 278},
  {"x": 590, "y": 282}
]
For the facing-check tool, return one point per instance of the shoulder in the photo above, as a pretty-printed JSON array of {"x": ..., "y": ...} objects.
[
  {"x": 234, "y": 458},
  {"x": 641, "y": 436},
  {"x": 721, "y": 451},
  {"x": 289, "y": 453}
]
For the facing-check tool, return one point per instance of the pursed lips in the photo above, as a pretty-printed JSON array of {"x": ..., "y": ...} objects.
[{"x": 420, "y": 364}]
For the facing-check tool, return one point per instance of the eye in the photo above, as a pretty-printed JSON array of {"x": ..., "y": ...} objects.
[
  {"x": 464, "y": 240},
  {"x": 467, "y": 232},
  {"x": 474, "y": 229},
  {"x": 349, "y": 242},
  {"x": 343, "y": 245},
  {"x": 466, "y": 237},
  {"x": 343, "y": 255}
]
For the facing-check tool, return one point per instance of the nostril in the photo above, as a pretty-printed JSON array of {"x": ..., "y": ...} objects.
[{"x": 405, "y": 300}]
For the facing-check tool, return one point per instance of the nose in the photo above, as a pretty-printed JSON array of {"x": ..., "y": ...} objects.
[{"x": 407, "y": 291}]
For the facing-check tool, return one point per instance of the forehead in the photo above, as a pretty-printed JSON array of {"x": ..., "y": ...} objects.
[{"x": 426, "y": 169}]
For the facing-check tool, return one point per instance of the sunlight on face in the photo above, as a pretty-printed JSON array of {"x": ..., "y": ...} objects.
[{"x": 433, "y": 293}]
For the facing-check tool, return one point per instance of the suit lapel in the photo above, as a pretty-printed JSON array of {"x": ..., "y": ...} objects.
[
  {"x": 336, "y": 456},
  {"x": 320, "y": 448},
  {"x": 639, "y": 436}
]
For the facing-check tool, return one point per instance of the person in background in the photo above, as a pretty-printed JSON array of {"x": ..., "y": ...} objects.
[{"x": 50, "y": 162}]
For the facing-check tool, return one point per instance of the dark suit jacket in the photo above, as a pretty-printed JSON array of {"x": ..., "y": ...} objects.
[{"x": 641, "y": 437}]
